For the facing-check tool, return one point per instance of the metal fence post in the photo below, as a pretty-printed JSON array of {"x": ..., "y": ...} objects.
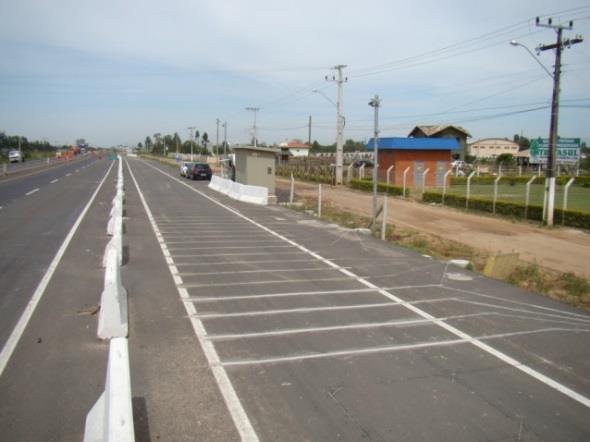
[
  {"x": 528, "y": 195},
  {"x": 468, "y": 190},
  {"x": 495, "y": 193},
  {"x": 404, "y": 181},
  {"x": 566, "y": 190},
  {"x": 362, "y": 172},
  {"x": 319, "y": 201},
  {"x": 292, "y": 194},
  {"x": 384, "y": 219},
  {"x": 388, "y": 172},
  {"x": 450, "y": 171},
  {"x": 349, "y": 173}
]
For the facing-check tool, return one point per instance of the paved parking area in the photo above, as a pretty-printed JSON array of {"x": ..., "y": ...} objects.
[{"x": 317, "y": 332}]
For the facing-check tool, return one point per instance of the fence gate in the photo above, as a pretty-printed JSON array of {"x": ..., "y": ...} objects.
[
  {"x": 441, "y": 169},
  {"x": 418, "y": 172}
]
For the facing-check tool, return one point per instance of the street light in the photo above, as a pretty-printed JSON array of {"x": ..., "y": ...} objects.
[
  {"x": 515, "y": 43},
  {"x": 317, "y": 91}
]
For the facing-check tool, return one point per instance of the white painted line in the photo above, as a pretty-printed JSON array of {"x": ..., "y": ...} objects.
[
  {"x": 206, "y": 232},
  {"x": 209, "y": 255},
  {"x": 236, "y": 409},
  {"x": 54, "y": 181},
  {"x": 230, "y": 241},
  {"x": 393, "y": 348},
  {"x": 198, "y": 299},
  {"x": 200, "y": 264},
  {"x": 358, "y": 326},
  {"x": 77, "y": 170},
  {"x": 68, "y": 174},
  {"x": 32, "y": 191},
  {"x": 459, "y": 333},
  {"x": 25, "y": 317},
  {"x": 289, "y": 311},
  {"x": 255, "y": 283},
  {"x": 229, "y": 247},
  {"x": 239, "y": 272}
]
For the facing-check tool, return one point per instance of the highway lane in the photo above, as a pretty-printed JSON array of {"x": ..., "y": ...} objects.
[
  {"x": 13, "y": 188},
  {"x": 314, "y": 332},
  {"x": 37, "y": 213}
]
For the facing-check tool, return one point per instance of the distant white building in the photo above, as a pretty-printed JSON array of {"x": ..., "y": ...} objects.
[
  {"x": 294, "y": 149},
  {"x": 490, "y": 148}
]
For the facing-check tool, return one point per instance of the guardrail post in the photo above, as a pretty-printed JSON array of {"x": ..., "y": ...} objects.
[
  {"x": 292, "y": 192},
  {"x": 404, "y": 181},
  {"x": 388, "y": 173},
  {"x": 495, "y": 193},
  {"x": 424, "y": 179},
  {"x": 384, "y": 218},
  {"x": 565, "y": 193},
  {"x": 319, "y": 201},
  {"x": 450, "y": 171},
  {"x": 468, "y": 190},
  {"x": 528, "y": 195}
]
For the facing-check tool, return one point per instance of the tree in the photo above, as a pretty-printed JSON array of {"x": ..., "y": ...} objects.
[
  {"x": 523, "y": 142},
  {"x": 197, "y": 137},
  {"x": 176, "y": 141},
  {"x": 148, "y": 143},
  {"x": 205, "y": 139},
  {"x": 505, "y": 159}
]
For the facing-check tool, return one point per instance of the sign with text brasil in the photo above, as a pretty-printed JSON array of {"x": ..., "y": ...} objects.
[{"x": 568, "y": 151}]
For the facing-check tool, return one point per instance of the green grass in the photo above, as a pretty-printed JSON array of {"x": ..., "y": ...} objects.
[{"x": 578, "y": 197}]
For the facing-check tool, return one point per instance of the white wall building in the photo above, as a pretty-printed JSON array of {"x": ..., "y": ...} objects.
[{"x": 489, "y": 148}]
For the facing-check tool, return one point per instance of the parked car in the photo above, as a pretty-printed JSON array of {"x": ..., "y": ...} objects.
[
  {"x": 200, "y": 171},
  {"x": 15, "y": 156},
  {"x": 185, "y": 167}
]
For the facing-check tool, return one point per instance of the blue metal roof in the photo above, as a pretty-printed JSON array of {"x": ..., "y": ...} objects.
[{"x": 402, "y": 143}]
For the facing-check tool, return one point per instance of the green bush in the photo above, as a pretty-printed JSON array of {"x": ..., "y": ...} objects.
[
  {"x": 569, "y": 217},
  {"x": 367, "y": 186},
  {"x": 513, "y": 180}
]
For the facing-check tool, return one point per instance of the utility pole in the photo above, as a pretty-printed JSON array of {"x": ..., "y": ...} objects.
[
  {"x": 191, "y": 129},
  {"x": 339, "y": 122},
  {"x": 224, "y": 125},
  {"x": 375, "y": 103},
  {"x": 254, "y": 109},
  {"x": 309, "y": 131},
  {"x": 559, "y": 45},
  {"x": 217, "y": 136}
]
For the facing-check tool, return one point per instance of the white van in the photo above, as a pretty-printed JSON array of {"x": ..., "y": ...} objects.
[{"x": 15, "y": 156}]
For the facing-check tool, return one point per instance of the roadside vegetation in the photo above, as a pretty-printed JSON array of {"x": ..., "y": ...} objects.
[{"x": 566, "y": 287}]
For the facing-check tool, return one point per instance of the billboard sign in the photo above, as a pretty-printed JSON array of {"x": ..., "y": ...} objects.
[{"x": 568, "y": 151}]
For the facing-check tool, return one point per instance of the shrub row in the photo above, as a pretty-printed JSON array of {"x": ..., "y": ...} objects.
[
  {"x": 560, "y": 181},
  {"x": 317, "y": 176},
  {"x": 367, "y": 186},
  {"x": 570, "y": 218}
]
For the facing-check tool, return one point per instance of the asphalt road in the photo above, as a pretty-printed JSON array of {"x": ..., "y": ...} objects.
[
  {"x": 36, "y": 213},
  {"x": 314, "y": 332},
  {"x": 262, "y": 323}
]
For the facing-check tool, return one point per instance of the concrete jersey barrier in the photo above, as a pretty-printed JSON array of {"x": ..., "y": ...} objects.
[
  {"x": 112, "y": 320},
  {"x": 240, "y": 192}
]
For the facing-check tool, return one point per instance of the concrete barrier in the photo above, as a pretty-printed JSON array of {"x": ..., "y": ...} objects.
[
  {"x": 240, "y": 192},
  {"x": 111, "y": 417},
  {"x": 112, "y": 319},
  {"x": 116, "y": 243}
]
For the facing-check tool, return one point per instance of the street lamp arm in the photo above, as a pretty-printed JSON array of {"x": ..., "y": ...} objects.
[
  {"x": 317, "y": 91},
  {"x": 515, "y": 43}
]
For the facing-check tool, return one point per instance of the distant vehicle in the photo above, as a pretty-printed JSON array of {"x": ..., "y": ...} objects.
[
  {"x": 16, "y": 156},
  {"x": 200, "y": 171},
  {"x": 184, "y": 168},
  {"x": 458, "y": 164}
]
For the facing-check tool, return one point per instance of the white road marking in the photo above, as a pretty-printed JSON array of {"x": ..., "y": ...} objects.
[
  {"x": 239, "y": 272},
  {"x": 231, "y": 241},
  {"x": 68, "y": 174},
  {"x": 254, "y": 283},
  {"x": 25, "y": 317},
  {"x": 32, "y": 191},
  {"x": 288, "y": 311},
  {"x": 230, "y": 247},
  {"x": 277, "y": 295},
  {"x": 54, "y": 181},
  {"x": 464, "y": 337},
  {"x": 357, "y": 326},
  {"x": 393, "y": 348},
  {"x": 235, "y": 407},
  {"x": 209, "y": 255},
  {"x": 200, "y": 264}
]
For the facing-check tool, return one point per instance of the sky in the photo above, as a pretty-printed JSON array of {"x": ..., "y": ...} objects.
[{"x": 116, "y": 71}]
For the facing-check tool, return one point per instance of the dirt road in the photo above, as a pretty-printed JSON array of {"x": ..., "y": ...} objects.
[{"x": 561, "y": 249}]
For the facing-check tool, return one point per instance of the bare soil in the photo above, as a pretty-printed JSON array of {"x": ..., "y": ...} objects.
[{"x": 560, "y": 249}]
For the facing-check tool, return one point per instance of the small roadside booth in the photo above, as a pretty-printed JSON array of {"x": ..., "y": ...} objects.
[{"x": 255, "y": 166}]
